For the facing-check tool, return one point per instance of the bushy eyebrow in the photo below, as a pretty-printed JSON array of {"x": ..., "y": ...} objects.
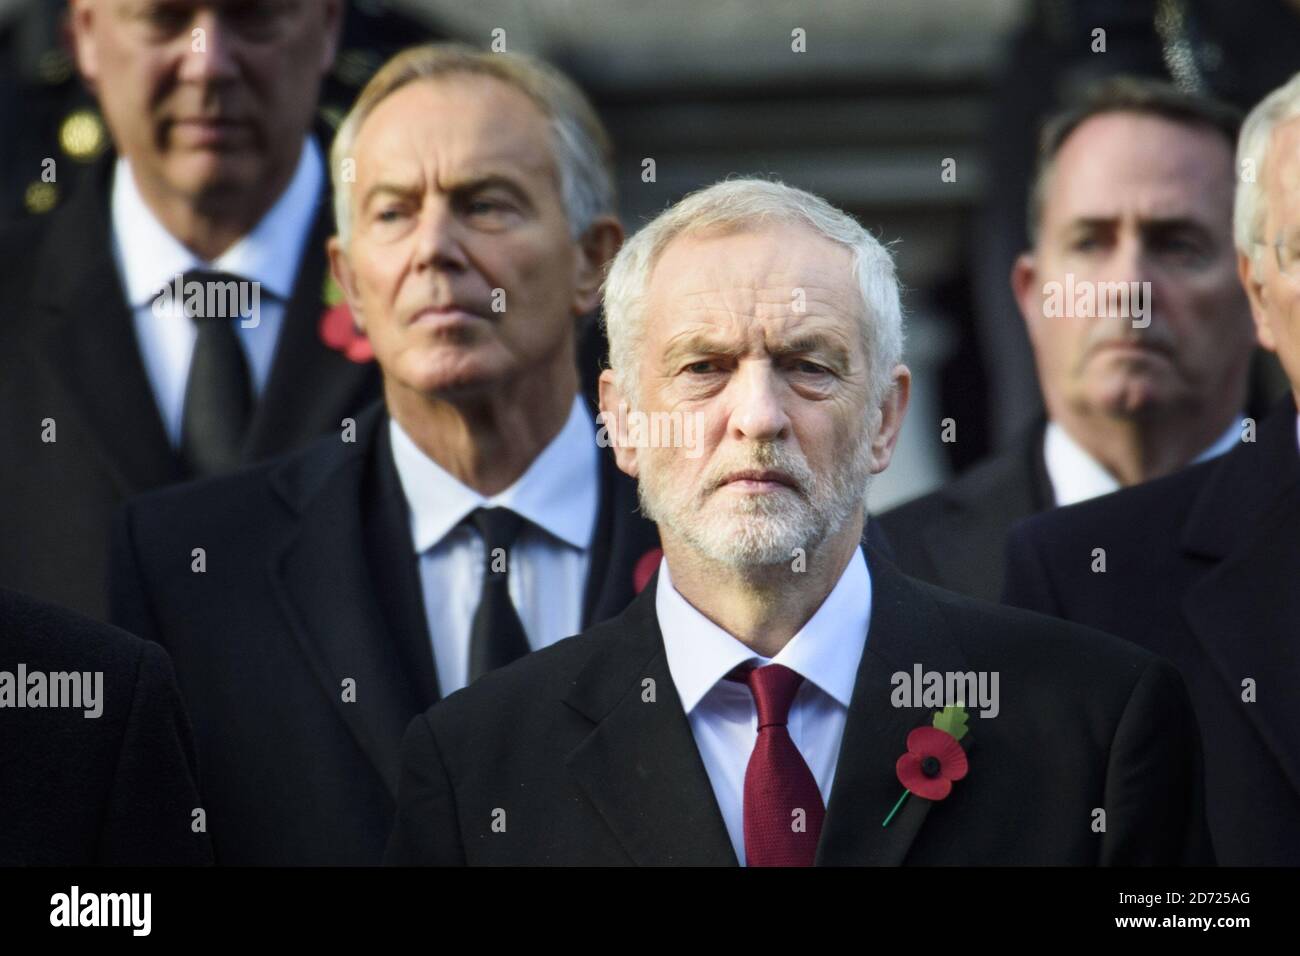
[
  {"x": 703, "y": 344},
  {"x": 400, "y": 190},
  {"x": 466, "y": 188},
  {"x": 1152, "y": 224}
]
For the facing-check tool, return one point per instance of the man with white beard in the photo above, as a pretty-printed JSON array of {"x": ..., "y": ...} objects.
[{"x": 754, "y": 704}]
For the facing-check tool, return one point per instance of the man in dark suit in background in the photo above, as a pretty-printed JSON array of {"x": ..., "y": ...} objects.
[
  {"x": 96, "y": 755},
  {"x": 472, "y": 517},
  {"x": 1134, "y": 185},
  {"x": 1201, "y": 567},
  {"x": 215, "y": 175},
  {"x": 749, "y": 705}
]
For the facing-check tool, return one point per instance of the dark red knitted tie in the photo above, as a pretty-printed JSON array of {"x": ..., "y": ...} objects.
[{"x": 783, "y": 807}]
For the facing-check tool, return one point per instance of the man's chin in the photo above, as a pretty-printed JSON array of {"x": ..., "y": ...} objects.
[
  {"x": 751, "y": 542},
  {"x": 1132, "y": 397},
  {"x": 455, "y": 378},
  {"x": 213, "y": 175}
]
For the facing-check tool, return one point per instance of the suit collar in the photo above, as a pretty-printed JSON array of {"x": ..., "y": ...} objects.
[
  {"x": 1241, "y": 484},
  {"x": 979, "y": 507},
  {"x": 309, "y": 382},
  {"x": 622, "y": 537},
  {"x": 84, "y": 337},
  {"x": 642, "y": 743},
  {"x": 555, "y": 492},
  {"x": 825, "y": 651},
  {"x": 907, "y": 629},
  {"x": 321, "y": 580},
  {"x": 1243, "y": 611}
]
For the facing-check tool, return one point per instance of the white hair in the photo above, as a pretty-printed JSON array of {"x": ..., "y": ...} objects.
[
  {"x": 1250, "y": 203},
  {"x": 738, "y": 204},
  {"x": 581, "y": 147}
]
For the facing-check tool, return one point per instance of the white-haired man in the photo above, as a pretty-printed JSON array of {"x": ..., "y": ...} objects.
[
  {"x": 1201, "y": 567},
  {"x": 762, "y": 701},
  {"x": 471, "y": 517}
]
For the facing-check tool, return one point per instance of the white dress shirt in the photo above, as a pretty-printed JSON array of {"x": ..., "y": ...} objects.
[
  {"x": 149, "y": 257},
  {"x": 1077, "y": 476},
  {"x": 722, "y": 714},
  {"x": 547, "y": 574}
]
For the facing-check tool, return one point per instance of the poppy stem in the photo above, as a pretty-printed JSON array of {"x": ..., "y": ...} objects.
[{"x": 896, "y": 806}]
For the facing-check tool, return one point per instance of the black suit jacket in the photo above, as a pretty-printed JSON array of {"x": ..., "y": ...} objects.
[
  {"x": 954, "y": 537},
  {"x": 1202, "y": 567},
  {"x": 587, "y": 771},
  {"x": 68, "y": 352},
  {"x": 311, "y": 582},
  {"x": 117, "y": 789}
]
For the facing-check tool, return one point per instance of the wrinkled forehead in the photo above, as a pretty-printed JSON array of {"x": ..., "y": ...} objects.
[
  {"x": 1282, "y": 175},
  {"x": 461, "y": 124},
  {"x": 776, "y": 278}
]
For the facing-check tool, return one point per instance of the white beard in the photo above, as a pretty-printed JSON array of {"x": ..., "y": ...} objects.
[{"x": 760, "y": 530}]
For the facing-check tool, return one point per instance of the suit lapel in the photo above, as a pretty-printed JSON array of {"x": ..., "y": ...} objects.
[
  {"x": 621, "y": 538},
  {"x": 324, "y": 587},
  {"x": 979, "y": 514},
  {"x": 309, "y": 382},
  {"x": 1245, "y": 612},
  {"x": 86, "y": 341},
  {"x": 906, "y": 629},
  {"x": 639, "y": 765},
  {"x": 395, "y": 568}
]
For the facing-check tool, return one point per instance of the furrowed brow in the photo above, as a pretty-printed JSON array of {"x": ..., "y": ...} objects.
[
  {"x": 701, "y": 345},
  {"x": 806, "y": 344},
  {"x": 397, "y": 190}
]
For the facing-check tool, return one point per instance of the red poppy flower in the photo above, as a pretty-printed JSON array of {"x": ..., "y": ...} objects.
[
  {"x": 339, "y": 332},
  {"x": 934, "y": 759}
]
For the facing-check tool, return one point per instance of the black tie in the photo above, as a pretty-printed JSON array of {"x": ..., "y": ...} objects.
[
  {"x": 219, "y": 393},
  {"x": 497, "y": 636}
]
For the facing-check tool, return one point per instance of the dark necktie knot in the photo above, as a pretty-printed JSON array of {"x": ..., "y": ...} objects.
[
  {"x": 223, "y": 294},
  {"x": 499, "y": 527}
]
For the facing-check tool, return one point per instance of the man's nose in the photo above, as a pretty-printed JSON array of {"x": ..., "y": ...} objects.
[
  {"x": 1133, "y": 267},
  {"x": 440, "y": 238},
  {"x": 210, "y": 50},
  {"x": 758, "y": 411},
  {"x": 1130, "y": 261}
]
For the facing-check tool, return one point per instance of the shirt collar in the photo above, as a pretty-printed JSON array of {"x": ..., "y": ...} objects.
[
  {"x": 1077, "y": 476},
  {"x": 557, "y": 493},
  {"x": 149, "y": 257},
  {"x": 826, "y": 650}
]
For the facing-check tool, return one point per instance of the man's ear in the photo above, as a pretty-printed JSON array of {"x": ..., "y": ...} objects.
[
  {"x": 892, "y": 411},
  {"x": 1248, "y": 271},
  {"x": 341, "y": 269},
  {"x": 596, "y": 247},
  {"x": 1024, "y": 286},
  {"x": 611, "y": 397},
  {"x": 81, "y": 20}
]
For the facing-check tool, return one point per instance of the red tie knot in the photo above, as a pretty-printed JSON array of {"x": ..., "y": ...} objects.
[{"x": 773, "y": 687}]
